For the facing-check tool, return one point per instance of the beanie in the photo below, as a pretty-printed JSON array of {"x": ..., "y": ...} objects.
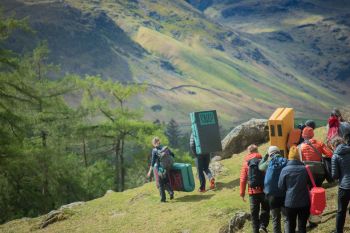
[
  {"x": 310, "y": 123},
  {"x": 272, "y": 150},
  {"x": 293, "y": 153},
  {"x": 308, "y": 133}
]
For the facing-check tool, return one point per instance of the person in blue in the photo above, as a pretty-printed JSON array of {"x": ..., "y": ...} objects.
[
  {"x": 341, "y": 171},
  {"x": 294, "y": 181},
  {"x": 202, "y": 163},
  {"x": 163, "y": 183}
]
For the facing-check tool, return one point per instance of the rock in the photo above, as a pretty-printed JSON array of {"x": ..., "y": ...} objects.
[
  {"x": 237, "y": 221},
  {"x": 215, "y": 168},
  {"x": 109, "y": 192},
  {"x": 216, "y": 158},
  {"x": 71, "y": 205},
  {"x": 52, "y": 217},
  {"x": 254, "y": 131}
]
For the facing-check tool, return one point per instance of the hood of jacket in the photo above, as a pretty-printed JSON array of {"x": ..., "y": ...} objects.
[{"x": 342, "y": 149}]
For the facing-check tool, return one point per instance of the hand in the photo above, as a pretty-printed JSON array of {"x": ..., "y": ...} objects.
[
  {"x": 242, "y": 196},
  {"x": 149, "y": 174}
]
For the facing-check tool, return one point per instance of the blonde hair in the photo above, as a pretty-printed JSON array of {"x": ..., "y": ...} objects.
[
  {"x": 252, "y": 148},
  {"x": 155, "y": 140}
]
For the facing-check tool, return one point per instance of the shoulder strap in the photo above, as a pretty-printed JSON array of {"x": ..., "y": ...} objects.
[
  {"x": 312, "y": 146},
  {"x": 310, "y": 175},
  {"x": 300, "y": 153}
]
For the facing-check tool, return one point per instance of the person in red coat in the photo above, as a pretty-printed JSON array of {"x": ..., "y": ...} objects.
[
  {"x": 312, "y": 150},
  {"x": 258, "y": 203}
]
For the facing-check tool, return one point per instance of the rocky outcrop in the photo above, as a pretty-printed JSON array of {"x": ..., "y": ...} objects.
[
  {"x": 254, "y": 131},
  {"x": 236, "y": 223}
]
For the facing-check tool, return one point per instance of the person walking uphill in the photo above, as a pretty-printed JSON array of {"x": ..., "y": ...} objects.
[
  {"x": 257, "y": 199},
  {"x": 341, "y": 171},
  {"x": 273, "y": 163},
  {"x": 163, "y": 178},
  {"x": 202, "y": 163},
  {"x": 294, "y": 182},
  {"x": 311, "y": 153}
]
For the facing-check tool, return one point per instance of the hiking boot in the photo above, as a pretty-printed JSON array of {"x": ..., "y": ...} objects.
[
  {"x": 171, "y": 196},
  {"x": 202, "y": 190},
  {"x": 212, "y": 183},
  {"x": 262, "y": 230}
]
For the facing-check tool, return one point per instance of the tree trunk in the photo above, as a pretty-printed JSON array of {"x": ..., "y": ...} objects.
[
  {"x": 84, "y": 152},
  {"x": 117, "y": 162},
  {"x": 122, "y": 169}
]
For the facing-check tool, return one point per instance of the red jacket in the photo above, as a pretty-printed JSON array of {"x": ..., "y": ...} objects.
[
  {"x": 244, "y": 176},
  {"x": 309, "y": 154}
]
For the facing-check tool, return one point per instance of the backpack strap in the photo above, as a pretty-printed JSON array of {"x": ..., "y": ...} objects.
[
  {"x": 310, "y": 175},
  {"x": 300, "y": 153},
  {"x": 312, "y": 146}
]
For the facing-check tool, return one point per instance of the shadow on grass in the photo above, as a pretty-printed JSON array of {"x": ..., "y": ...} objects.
[
  {"x": 194, "y": 198},
  {"x": 230, "y": 185}
]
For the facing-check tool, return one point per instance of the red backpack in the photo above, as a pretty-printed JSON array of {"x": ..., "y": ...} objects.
[{"x": 317, "y": 196}]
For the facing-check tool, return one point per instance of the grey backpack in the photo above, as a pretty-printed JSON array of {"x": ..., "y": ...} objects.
[{"x": 166, "y": 160}]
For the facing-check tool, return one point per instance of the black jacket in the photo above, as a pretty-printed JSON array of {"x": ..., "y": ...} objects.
[
  {"x": 294, "y": 181},
  {"x": 341, "y": 165}
]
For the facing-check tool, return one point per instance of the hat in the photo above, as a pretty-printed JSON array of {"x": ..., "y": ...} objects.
[
  {"x": 293, "y": 153},
  {"x": 272, "y": 150},
  {"x": 308, "y": 133},
  {"x": 310, "y": 123}
]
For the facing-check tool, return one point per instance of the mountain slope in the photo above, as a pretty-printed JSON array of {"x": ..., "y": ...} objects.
[
  {"x": 189, "y": 61},
  {"x": 139, "y": 210}
]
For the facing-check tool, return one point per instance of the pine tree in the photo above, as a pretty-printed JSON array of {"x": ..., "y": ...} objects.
[{"x": 173, "y": 133}]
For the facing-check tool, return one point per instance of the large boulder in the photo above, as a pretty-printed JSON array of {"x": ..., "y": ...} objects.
[{"x": 254, "y": 131}]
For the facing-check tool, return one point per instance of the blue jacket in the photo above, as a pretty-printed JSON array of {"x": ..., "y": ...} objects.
[
  {"x": 273, "y": 171},
  {"x": 341, "y": 166},
  {"x": 294, "y": 182}
]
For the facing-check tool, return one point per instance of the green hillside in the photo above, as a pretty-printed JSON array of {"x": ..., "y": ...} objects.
[
  {"x": 139, "y": 209},
  {"x": 189, "y": 60}
]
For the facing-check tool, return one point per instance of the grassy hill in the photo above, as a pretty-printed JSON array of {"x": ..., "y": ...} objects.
[
  {"x": 190, "y": 60},
  {"x": 139, "y": 209}
]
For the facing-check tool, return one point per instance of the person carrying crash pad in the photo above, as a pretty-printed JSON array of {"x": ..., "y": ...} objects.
[
  {"x": 202, "y": 163},
  {"x": 251, "y": 174},
  {"x": 161, "y": 163}
]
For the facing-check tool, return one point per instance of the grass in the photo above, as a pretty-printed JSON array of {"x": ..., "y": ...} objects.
[{"x": 139, "y": 210}]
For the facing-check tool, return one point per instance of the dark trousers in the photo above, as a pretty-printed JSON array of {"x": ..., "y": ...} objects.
[
  {"x": 202, "y": 163},
  {"x": 164, "y": 184},
  {"x": 276, "y": 208},
  {"x": 343, "y": 202},
  {"x": 319, "y": 179},
  {"x": 302, "y": 214},
  {"x": 259, "y": 205}
]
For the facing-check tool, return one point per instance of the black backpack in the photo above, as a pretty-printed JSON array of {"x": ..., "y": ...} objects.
[{"x": 255, "y": 176}]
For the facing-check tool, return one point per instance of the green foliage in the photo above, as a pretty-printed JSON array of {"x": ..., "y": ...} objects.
[
  {"x": 52, "y": 153},
  {"x": 173, "y": 133}
]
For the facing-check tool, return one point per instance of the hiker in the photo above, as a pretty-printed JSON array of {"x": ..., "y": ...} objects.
[
  {"x": 311, "y": 151},
  {"x": 309, "y": 123},
  {"x": 341, "y": 171},
  {"x": 202, "y": 163},
  {"x": 258, "y": 202},
  {"x": 332, "y": 127},
  {"x": 294, "y": 181},
  {"x": 163, "y": 182},
  {"x": 273, "y": 163}
]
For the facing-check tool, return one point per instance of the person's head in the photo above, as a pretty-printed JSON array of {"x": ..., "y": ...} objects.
[
  {"x": 337, "y": 113},
  {"x": 273, "y": 150},
  {"x": 310, "y": 123},
  {"x": 252, "y": 149},
  {"x": 293, "y": 153},
  {"x": 155, "y": 141},
  {"x": 308, "y": 133},
  {"x": 336, "y": 141}
]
